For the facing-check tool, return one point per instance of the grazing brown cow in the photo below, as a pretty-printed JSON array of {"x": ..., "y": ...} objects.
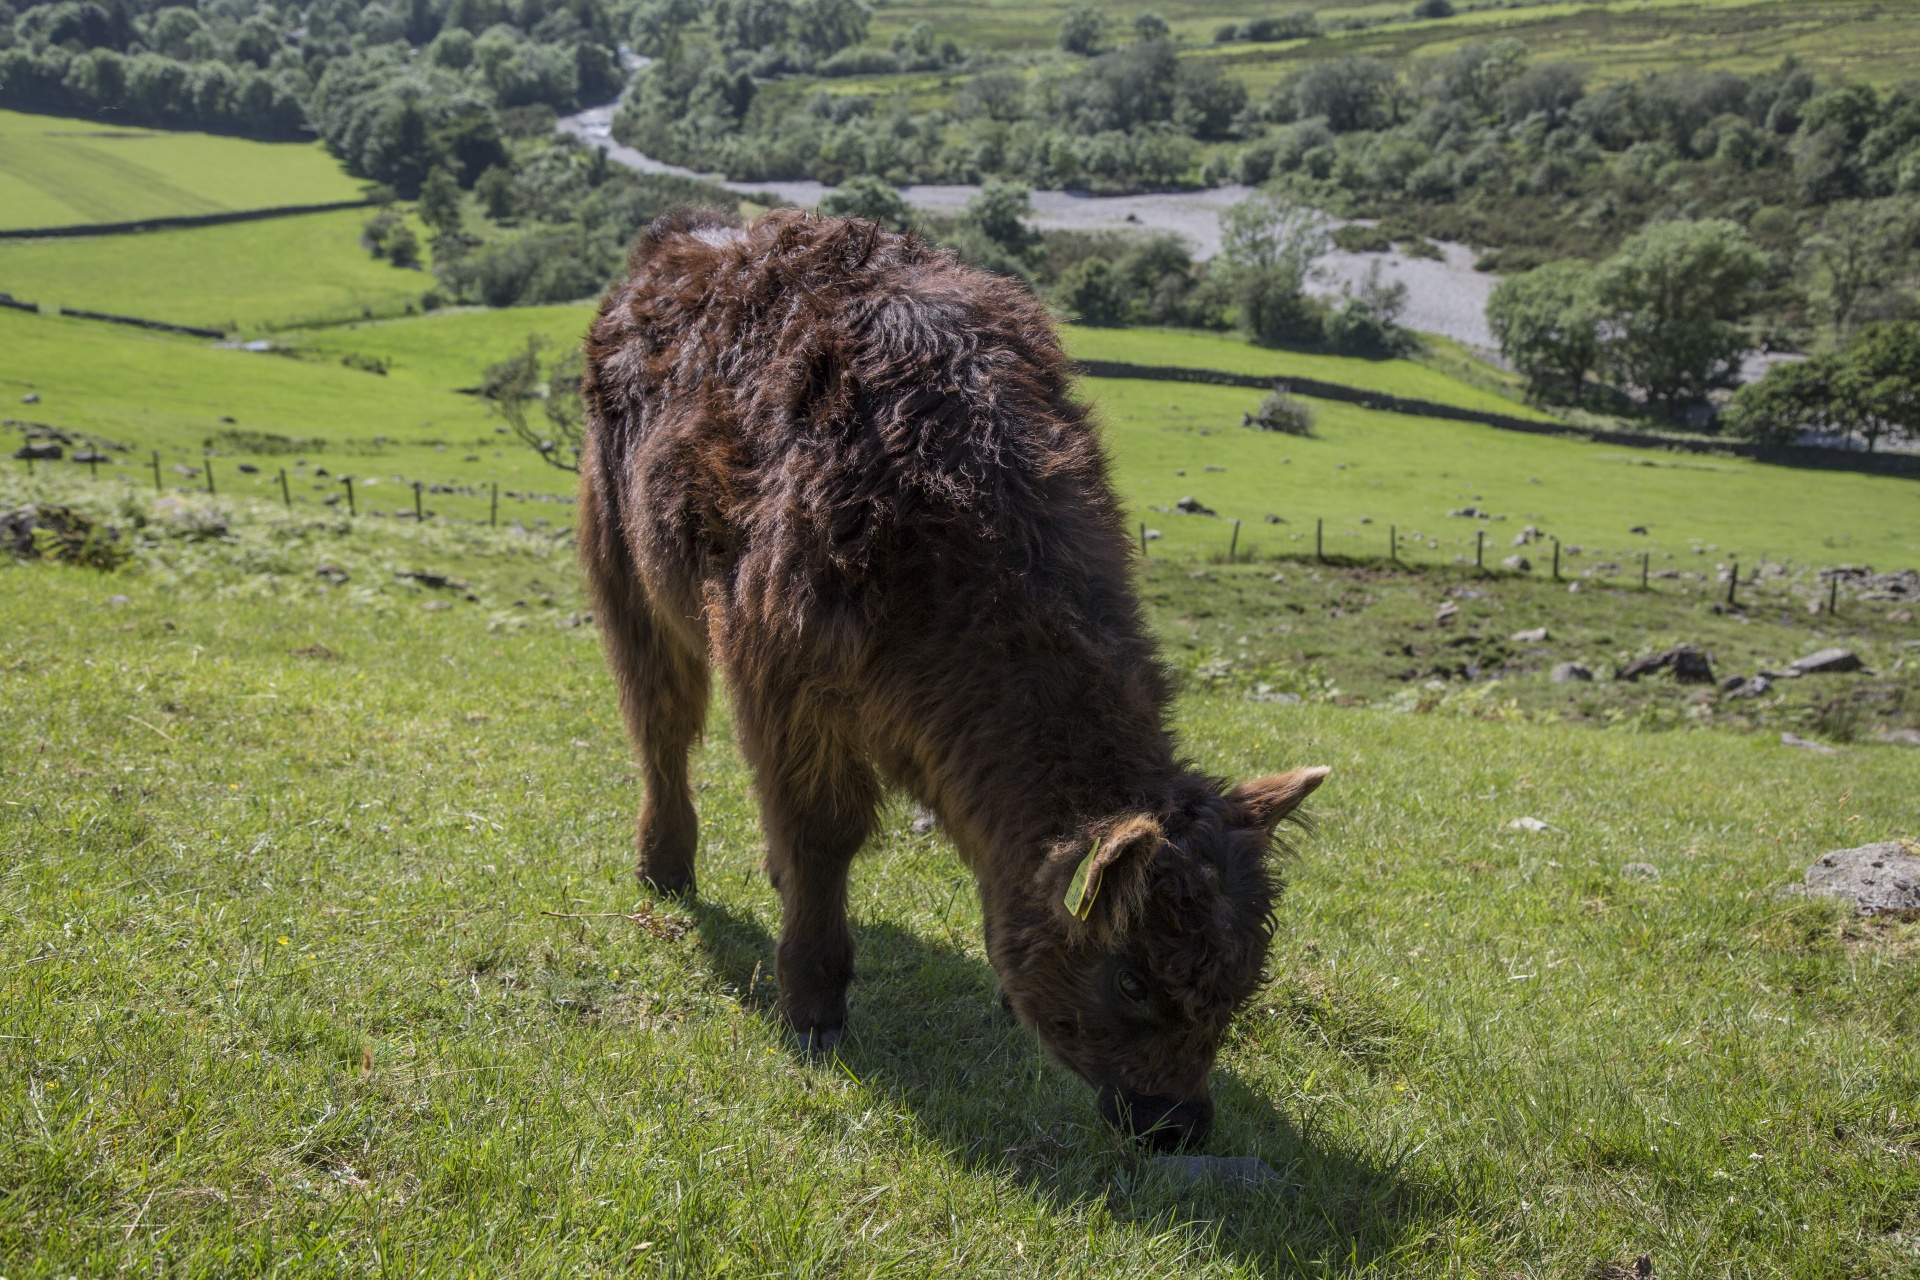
[{"x": 849, "y": 471}]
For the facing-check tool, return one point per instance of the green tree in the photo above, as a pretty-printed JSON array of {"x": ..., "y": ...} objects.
[
  {"x": 1791, "y": 398},
  {"x": 440, "y": 202},
  {"x": 495, "y": 190},
  {"x": 1083, "y": 30},
  {"x": 1547, "y": 323},
  {"x": 1671, "y": 297},
  {"x": 870, "y": 198},
  {"x": 1862, "y": 247},
  {"x": 1151, "y": 26},
  {"x": 1877, "y": 383},
  {"x": 824, "y": 27},
  {"x": 1268, "y": 230},
  {"x": 1095, "y": 293}
]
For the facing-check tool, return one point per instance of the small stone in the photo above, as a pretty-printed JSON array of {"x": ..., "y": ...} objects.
[
  {"x": 332, "y": 573},
  {"x": 118, "y": 601},
  {"x": 1905, "y": 737},
  {"x": 1640, "y": 871},
  {"x": 1528, "y": 824},
  {"x": 1731, "y": 683},
  {"x": 1795, "y": 740},
  {"x": 1533, "y": 635},
  {"x": 1278, "y": 577},
  {"x": 247, "y": 468},
  {"x": 1273, "y": 519},
  {"x": 43, "y": 452},
  {"x": 1193, "y": 506},
  {"x": 1828, "y": 661},
  {"x": 1876, "y": 878},
  {"x": 32, "y": 397},
  {"x": 924, "y": 820},
  {"x": 1751, "y": 688},
  {"x": 1244, "y": 1171},
  {"x": 1639, "y": 529},
  {"x": 1519, "y": 564},
  {"x": 1899, "y": 615},
  {"x": 1445, "y": 614},
  {"x": 1573, "y": 588},
  {"x": 1152, "y": 535},
  {"x": 1568, "y": 672},
  {"x": 434, "y": 606}
]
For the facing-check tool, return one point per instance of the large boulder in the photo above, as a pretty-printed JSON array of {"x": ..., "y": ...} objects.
[
  {"x": 1877, "y": 878},
  {"x": 1688, "y": 663},
  {"x": 1828, "y": 661}
]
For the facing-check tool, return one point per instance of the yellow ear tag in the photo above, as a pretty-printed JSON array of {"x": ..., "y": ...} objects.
[{"x": 1085, "y": 885}]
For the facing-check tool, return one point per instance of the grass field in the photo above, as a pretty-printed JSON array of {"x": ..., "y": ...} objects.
[
  {"x": 1857, "y": 40},
  {"x": 60, "y": 172},
  {"x": 1364, "y": 473},
  {"x": 279, "y": 992},
  {"x": 245, "y": 277}
]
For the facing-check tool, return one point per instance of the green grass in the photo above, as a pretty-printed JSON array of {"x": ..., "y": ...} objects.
[
  {"x": 1397, "y": 471},
  {"x": 1230, "y": 355},
  {"x": 278, "y": 992},
  {"x": 1364, "y": 473},
  {"x": 61, "y": 172},
  {"x": 245, "y": 277}
]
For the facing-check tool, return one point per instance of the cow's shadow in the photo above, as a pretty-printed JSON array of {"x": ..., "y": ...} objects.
[{"x": 927, "y": 1029}]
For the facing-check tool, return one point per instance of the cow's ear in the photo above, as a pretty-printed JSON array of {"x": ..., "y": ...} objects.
[
  {"x": 1132, "y": 839},
  {"x": 1273, "y": 797}
]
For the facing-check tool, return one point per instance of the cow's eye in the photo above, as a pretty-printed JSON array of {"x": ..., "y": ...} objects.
[{"x": 1131, "y": 986}]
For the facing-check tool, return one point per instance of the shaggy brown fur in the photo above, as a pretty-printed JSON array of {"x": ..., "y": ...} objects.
[{"x": 847, "y": 471}]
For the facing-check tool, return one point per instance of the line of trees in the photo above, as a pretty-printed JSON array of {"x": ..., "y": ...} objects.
[
  {"x": 1867, "y": 391},
  {"x": 397, "y": 88}
]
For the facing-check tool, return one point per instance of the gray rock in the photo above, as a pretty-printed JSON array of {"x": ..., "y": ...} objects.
[
  {"x": 1242, "y": 1171},
  {"x": 1807, "y": 744},
  {"x": 1568, "y": 672},
  {"x": 32, "y": 397},
  {"x": 1876, "y": 878},
  {"x": 1639, "y": 871},
  {"x": 1731, "y": 683},
  {"x": 1829, "y": 661},
  {"x": 1536, "y": 635},
  {"x": 924, "y": 821},
  {"x": 1519, "y": 564},
  {"x": 43, "y": 451},
  {"x": 1749, "y": 688},
  {"x": 1688, "y": 664},
  {"x": 1193, "y": 506},
  {"x": 332, "y": 573},
  {"x": 1907, "y": 737}
]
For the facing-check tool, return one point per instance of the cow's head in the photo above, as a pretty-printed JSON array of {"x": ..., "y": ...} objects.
[{"x": 1142, "y": 935}]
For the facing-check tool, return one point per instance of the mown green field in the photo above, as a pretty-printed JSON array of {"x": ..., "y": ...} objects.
[
  {"x": 281, "y": 990},
  {"x": 246, "y": 277},
  {"x": 61, "y": 172}
]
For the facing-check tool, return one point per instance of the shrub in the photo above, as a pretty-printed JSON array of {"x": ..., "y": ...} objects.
[
  {"x": 869, "y": 198},
  {"x": 1283, "y": 413}
]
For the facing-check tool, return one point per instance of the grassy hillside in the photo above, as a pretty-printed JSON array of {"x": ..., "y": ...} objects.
[
  {"x": 246, "y": 277},
  {"x": 171, "y": 394},
  {"x": 62, "y": 172},
  {"x": 279, "y": 983}
]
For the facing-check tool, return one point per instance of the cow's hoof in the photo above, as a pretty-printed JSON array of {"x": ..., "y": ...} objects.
[
  {"x": 817, "y": 1042},
  {"x": 669, "y": 885}
]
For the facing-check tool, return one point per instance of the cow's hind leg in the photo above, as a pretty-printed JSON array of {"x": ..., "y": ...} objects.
[
  {"x": 663, "y": 684},
  {"x": 817, "y": 801}
]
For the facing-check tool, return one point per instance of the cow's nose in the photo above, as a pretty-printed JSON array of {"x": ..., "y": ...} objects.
[{"x": 1165, "y": 1124}]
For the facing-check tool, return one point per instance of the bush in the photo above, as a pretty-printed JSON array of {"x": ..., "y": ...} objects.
[
  {"x": 869, "y": 198},
  {"x": 1283, "y": 413},
  {"x": 1275, "y": 310},
  {"x": 1095, "y": 294}
]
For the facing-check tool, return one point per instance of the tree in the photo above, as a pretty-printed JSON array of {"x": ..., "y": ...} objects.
[
  {"x": 510, "y": 386},
  {"x": 869, "y": 198},
  {"x": 440, "y": 202},
  {"x": 992, "y": 232},
  {"x": 1095, "y": 293},
  {"x": 1083, "y": 30},
  {"x": 1877, "y": 382},
  {"x": 1791, "y": 398},
  {"x": 1547, "y": 323},
  {"x": 1268, "y": 230},
  {"x": 1671, "y": 296},
  {"x": 1274, "y": 308},
  {"x": 1151, "y": 26},
  {"x": 495, "y": 189},
  {"x": 1862, "y": 247},
  {"x": 824, "y": 27}
]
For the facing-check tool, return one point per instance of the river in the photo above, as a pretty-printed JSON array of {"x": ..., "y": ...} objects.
[{"x": 1445, "y": 296}]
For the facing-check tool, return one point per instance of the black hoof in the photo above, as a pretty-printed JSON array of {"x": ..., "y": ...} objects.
[
  {"x": 680, "y": 887},
  {"x": 817, "y": 1042}
]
